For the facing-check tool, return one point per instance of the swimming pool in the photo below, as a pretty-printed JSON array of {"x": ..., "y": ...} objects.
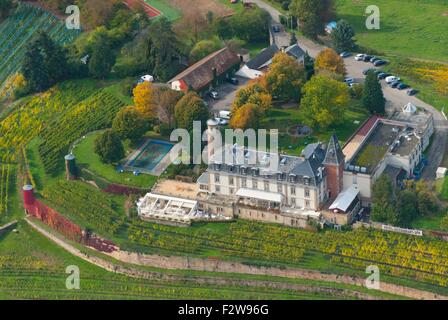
[{"x": 150, "y": 155}]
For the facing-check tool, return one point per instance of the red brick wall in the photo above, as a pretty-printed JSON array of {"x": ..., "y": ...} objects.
[{"x": 334, "y": 180}]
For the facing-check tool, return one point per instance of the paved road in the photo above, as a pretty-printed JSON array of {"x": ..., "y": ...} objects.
[{"x": 395, "y": 98}]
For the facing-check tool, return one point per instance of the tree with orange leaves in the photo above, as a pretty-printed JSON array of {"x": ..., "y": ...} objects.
[
  {"x": 254, "y": 93},
  {"x": 144, "y": 100},
  {"x": 328, "y": 61},
  {"x": 246, "y": 117}
]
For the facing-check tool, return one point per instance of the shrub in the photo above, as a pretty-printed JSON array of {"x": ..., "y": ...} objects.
[{"x": 109, "y": 147}]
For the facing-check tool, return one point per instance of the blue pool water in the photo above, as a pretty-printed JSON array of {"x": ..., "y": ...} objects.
[{"x": 150, "y": 156}]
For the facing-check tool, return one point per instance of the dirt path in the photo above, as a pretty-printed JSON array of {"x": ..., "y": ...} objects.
[{"x": 186, "y": 263}]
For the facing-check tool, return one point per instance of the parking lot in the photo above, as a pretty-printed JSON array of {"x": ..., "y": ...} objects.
[{"x": 227, "y": 93}]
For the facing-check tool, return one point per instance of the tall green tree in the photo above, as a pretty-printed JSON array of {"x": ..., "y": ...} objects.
[
  {"x": 45, "y": 63},
  {"x": 162, "y": 49},
  {"x": 373, "y": 98},
  {"x": 5, "y": 7},
  {"x": 103, "y": 57},
  {"x": 324, "y": 101},
  {"x": 383, "y": 199},
  {"x": 129, "y": 124},
  {"x": 312, "y": 15},
  {"x": 285, "y": 77},
  {"x": 342, "y": 37},
  {"x": 190, "y": 108},
  {"x": 109, "y": 147}
]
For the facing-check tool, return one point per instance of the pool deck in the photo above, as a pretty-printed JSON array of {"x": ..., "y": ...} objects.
[{"x": 157, "y": 170}]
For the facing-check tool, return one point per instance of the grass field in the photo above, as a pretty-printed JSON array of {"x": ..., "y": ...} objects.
[
  {"x": 168, "y": 11},
  {"x": 87, "y": 158},
  {"x": 411, "y": 29},
  {"x": 430, "y": 78},
  {"x": 282, "y": 119}
]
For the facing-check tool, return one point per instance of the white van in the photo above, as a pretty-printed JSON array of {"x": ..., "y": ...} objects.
[
  {"x": 225, "y": 115},
  {"x": 391, "y": 79}
]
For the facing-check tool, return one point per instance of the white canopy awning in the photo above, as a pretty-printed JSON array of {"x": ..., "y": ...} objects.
[
  {"x": 261, "y": 195},
  {"x": 345, "y": 198}
]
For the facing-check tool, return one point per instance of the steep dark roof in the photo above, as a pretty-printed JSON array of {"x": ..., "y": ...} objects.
[
  {"x": 263, "y": 57},
  {"x": 200, "y": 74},
  {"x": 295, "y": 51},
  {"x": 334, "y": 155}
]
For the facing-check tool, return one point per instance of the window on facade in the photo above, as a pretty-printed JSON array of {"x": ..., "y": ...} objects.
[
  {"x": 266, "y": 186},
  {"x": 307, "y": 204},
  {"x": 293, "y": 190},
  {"x": 307, "y": 193},
  {"x": 232, "y": 191},
  {"x": 244, "y": 182},
  {"x": 293, "y": 201},
  {"x": 218, "y": 189},
  {"x": 217, "y": 178},
  {"x": 231, "y": 181},
  {"x": 255, "y": 184},
  {"x": 279, "y": 187}
]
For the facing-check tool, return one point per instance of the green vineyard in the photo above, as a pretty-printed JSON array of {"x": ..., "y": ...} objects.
[
  {"x": 396, "y": 254},
  {"x": 96, "y": 112}
]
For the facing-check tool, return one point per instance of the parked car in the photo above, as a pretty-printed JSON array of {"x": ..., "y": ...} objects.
[
  {"x": 379, "y": 63},
  {"x": 214, "y": 95},
  {"x": 275, "y": 28},
  {"x": 233, "y": 81},
  {"x": 345, "y": 54},
  {"x": 374, "y": 58},
  {"x": 395, "y": 84},
  {"x": 391, "y": 79},
  {"x": 359, "y": 57},
  {"x": 382, "y": 75},
  {"x": 366, "y": 71},
  {"x": 402, "y": 86},
  {"x": 225, "y": 114},
  {"x": 222, "y": 122},
  {"x": 412, "y": 92},
  {"x": 367, "y": 58},
  {"x": 349, "y": 80}
]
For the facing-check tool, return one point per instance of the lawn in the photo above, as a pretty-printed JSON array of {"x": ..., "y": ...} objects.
[
  {"x": 283, "y": 119},
  {"x": 430, "y": 78},
  {"x": 411, "y": 29},
  {"x": 87, "y": 158},
  {"x": 167, "y": 10}
]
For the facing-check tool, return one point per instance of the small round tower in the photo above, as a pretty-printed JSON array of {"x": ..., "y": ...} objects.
[
  {"x": 212, "y": 129},
  {"x": 28, "y": 195},
  {"x": 70, "y": 167}
]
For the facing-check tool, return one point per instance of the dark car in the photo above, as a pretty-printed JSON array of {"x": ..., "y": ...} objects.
[
  {"x": 367, "y": 58},
  {"x": 373, "y": 59},
  {"x": 366, "y": 71},
  {"x": 233, "y": 81},
  {"x": 276, "y": 28},
  {"x": 394, "y": 84},
  {"x": 412, "y": 92},
  {"x": 402, "y": 86},
  {"x": 345, "y": 54},
  {"x": 382, "y": 75},
  {"x": 379, "y": 63}
]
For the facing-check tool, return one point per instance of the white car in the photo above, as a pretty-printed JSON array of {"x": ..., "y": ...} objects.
[
  {"x": 391, "y": 79},
  {"x": 224, "y": 114},
  {"x": 147, "y": 78},
  {"x": 222, "y": 122},
  {"x": 349, "y": 80},
  {"x": 360, "y": 57}
]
